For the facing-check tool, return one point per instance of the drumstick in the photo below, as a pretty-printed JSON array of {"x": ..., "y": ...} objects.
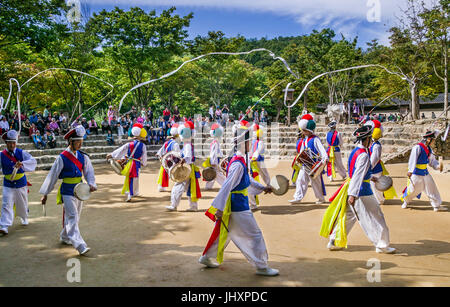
[
  {"x": 354, "y": 211},
  {"x": 44, "y": 211}
]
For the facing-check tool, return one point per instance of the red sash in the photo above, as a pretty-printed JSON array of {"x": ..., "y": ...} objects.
[
  {"x": 12, "y": 158},
  {"x": 427, "y": 151},
  {"x": 353, "y": 161},
  {"x": 234, "y": 159},
  {"x": 74, "y": 160}
]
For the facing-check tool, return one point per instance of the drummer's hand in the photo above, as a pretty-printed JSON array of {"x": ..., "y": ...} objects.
[
  {"x": 268, "y": 190},
  {"x": 44, "y": 199},
  {"x": 374, "y": 179},
  {"x": 108, "y": 156},
  {"x": 18, "y": 164},
  {"x": 409, "y": 174},
  {"x": 351, "y": 200},
  {"x": 219, "y": 214},
  {"x": 92, "y": 188}
]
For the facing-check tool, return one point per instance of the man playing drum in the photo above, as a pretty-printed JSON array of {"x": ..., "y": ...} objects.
[
  {"x": 231, "y": 212},
  {"x": 312, "y": 145},
  {"x": 334, "y": 140},
  {"x": 419, "y": 178},
  {"x": 191, "y": 185},
  {"x": 70, "y": 166},
  {"x": 354, "y": 201},
  {"x": 15, "y": 190},
  {"x": 215, "y": 154},
  {"x": 135, "y": 154},
  {"x": 257, "y": 167},
  {"x": 170, "y": 145}
]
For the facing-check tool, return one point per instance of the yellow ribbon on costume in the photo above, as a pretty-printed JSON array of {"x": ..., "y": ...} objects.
[
  {"x": 255, "y": 168},
  {"x": 421, "y": 166},
  {"x": 391, "y": 193},
  {"x": 18, "y": 177},
  {"x": 332, "y": 161},
  {"x": 126, "y": 172},
  {"x": 408, "y": 183},
  {"x": 207, "y": 163},
  {"x": 193, "y": 187},
  {"x": 224, "y": 225},
  {"x": 160, "y": 176},
  {"x": 296, "y": 167},
  {"x": 335, "y": 216},
  {"x": 68, "y": 180}
]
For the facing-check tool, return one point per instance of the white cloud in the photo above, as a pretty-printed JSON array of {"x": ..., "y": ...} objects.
[{"x": 344, "y": 16}]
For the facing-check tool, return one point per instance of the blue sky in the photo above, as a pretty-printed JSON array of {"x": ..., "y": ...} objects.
[{"x": 273, "y": 18}]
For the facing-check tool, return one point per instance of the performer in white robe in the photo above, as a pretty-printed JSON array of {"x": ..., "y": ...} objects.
[
  {"x": 135, "y": 153},
  {"x": 334, "y": 140},
  {"x": 215, "y": 154},
  {"x": 258, "y": 168},
  {"x": 70, "y": 166},
  {"x": 313, "y": 143},
  {"x": 15, "y": 192},
  {"x": 420, "y": 179},
  {"x": 191, "y": 185},
  {"x": 172, "y": 144},
  {"x": 231, "y": 211},
  {"x": 378, "y": 168},
  {"x": 340, "y": 216}
]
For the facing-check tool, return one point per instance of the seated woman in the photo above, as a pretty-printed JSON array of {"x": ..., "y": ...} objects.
[
  {"x": 93, "y": 126},
  {"x": 54, "y": 127},
  {"x": 50, "y": 139}
]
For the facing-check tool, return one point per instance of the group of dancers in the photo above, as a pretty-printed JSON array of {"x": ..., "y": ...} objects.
[{"x": 246, "y": 177}]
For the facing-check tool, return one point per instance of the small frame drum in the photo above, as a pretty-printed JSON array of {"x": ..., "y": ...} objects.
[
  {"x": 280, "y": 185},
  {"x": 383, "y": 183},
  {"x": 82, "y": 191},
  {"x": 311, "y": 162},
  {"x": 209, "y": 173},
  {"x": 117, "y": 165},
  {"x": 171, "y": 162}
]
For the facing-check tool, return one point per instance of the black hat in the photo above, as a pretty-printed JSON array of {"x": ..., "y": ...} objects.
[
  {"x": 363, "y": 132},
  {"x": 430, "y": 134}
]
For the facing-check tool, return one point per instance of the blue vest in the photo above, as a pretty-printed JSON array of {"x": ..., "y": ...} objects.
[
  {"x": 137, "y": 153},
  {"x": 239, "y": 202},
  {"x": 422, "y": 159},
  {"x": 378, "y": 168},
  {"x": 312, "y": 147},
  {"x": 7, "y": 168},
  {"x": 170, "y": 144},
  {"x": 336, "y": 141},
  {"x": 70, "y": 170},
  {"x": 365, "y": 189}
]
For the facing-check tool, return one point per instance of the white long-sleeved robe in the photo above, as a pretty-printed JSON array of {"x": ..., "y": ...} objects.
[
  {"x": 375, "y": 157},
  {"x": 243, "y": 229},
  {"x": 121, "y": 152},
  {"x": 263, "y": 174},
  {"x": 423, "y": 183},
  {"x": 340, "y": 168},
  {"x": 18, "y": 197},
  {"x": 371, "y": 218},
  {"x": 72, "y": 205},
  {"x": 162, "y": 151},
  {"x": 180, "y": 187},
  {"x": 215, "y": 154},
  {"x": 304, "y": 179}
]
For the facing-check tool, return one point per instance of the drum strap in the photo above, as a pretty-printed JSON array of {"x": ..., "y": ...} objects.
[
  {"x": 72, "y": 158},
  {"x": 7, "y": 154}
]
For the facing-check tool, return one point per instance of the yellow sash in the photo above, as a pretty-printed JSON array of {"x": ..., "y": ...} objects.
[
  {"x": 391, "y": 193},
  {"x": 421, "y": 166},
  {"x": 335, "y": 216},
  {"x": 126, "y": 172},
  {"x": 255, "y": 169},
  {"x": 193, "y": 187},
  {"x": 18, "y": 176},
  {"x": 332, "y": 161},
  {"x": 224, "y": 225},
  {"x": 160, "y": 176},
  {"x": 69, "y": 180},
  {"x": 207, "y": 163}
]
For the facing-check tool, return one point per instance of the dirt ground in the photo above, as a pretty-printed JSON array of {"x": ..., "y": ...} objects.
[{"x": 141, "y": 244}]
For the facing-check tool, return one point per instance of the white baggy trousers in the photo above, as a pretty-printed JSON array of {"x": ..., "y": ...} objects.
[
  {"x": 302, "y": 186},
  {"x": 11, "y": 196},
  {"x": 424, "y": 184},
  {"x": 371, "y": 219},
  {"x": 247, "y": 236},
  {"x": 71, "y": 230}
]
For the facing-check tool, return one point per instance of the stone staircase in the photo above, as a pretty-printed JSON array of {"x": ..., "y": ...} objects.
[{"x": 280, "y": 143}]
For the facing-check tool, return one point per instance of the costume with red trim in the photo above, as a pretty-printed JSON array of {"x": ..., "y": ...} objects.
[
  {"x": 15, "y": 190},
  {"x": 215, "y": 155}
]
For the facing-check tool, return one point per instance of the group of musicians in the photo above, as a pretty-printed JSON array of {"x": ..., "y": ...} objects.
[{"x": 243, "y": 178}]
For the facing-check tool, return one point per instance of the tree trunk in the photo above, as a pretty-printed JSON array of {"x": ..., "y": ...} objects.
[
  {"x": 415, "y": 107},
  {"x": 446, "y": 97}
]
